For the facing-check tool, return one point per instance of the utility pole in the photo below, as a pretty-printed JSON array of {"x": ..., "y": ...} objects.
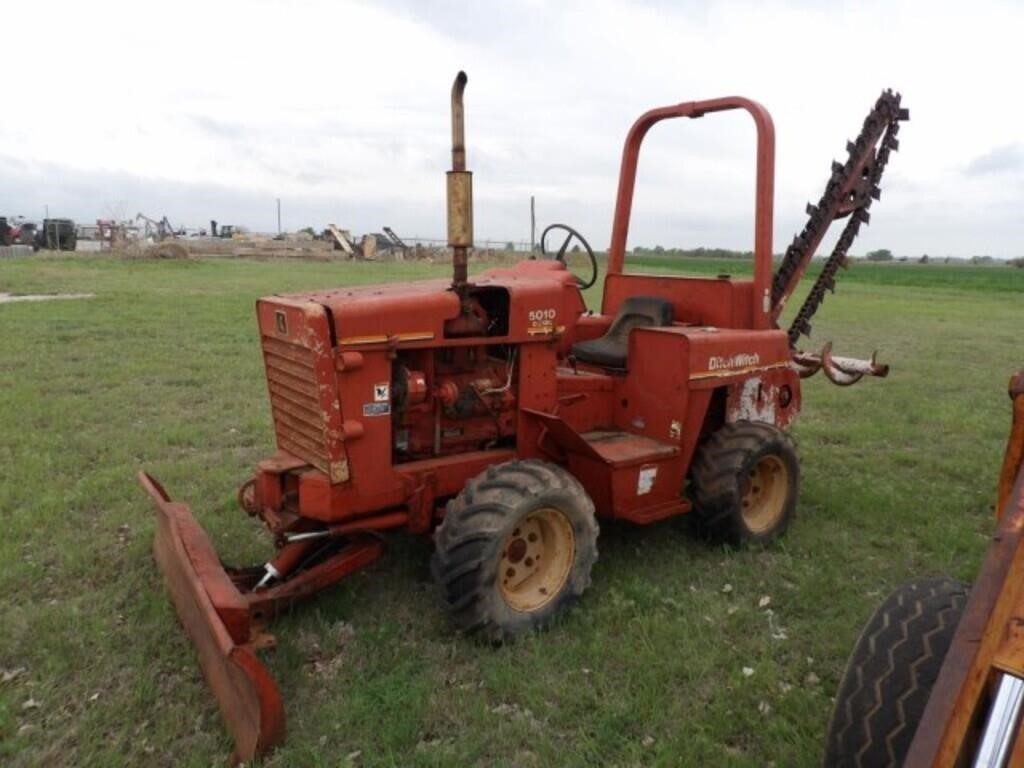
[
  {"x": 279, "y": 215},
  {"x": 533, "y": 228}
]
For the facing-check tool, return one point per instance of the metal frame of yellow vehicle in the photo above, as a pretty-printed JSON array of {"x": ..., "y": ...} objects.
[
  {"x": 937, "y": 677},
  {"x": 978, "y": 697}
]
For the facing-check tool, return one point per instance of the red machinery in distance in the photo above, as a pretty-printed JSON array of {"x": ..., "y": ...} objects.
[{"x": 501, "y": 415}]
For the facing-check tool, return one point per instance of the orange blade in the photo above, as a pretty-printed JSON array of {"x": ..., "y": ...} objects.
[{"x": 216, "y": 617}]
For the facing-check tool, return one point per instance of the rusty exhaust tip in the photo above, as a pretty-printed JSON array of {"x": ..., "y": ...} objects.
[
  {"x": 459, "y": 122},
  {"x": 459, "y": 86}
]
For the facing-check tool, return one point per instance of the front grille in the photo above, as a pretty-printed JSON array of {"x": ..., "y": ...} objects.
[{"x": 294, "y": 402}]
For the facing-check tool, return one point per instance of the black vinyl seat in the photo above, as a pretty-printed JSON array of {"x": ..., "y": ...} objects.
[{"x": 635, "y": 312}]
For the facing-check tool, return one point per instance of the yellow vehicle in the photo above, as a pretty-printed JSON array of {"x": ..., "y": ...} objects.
[{"x": 937, "y": 675}]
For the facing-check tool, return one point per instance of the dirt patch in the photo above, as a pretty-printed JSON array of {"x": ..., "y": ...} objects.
[{"x": 10, "y": 298}]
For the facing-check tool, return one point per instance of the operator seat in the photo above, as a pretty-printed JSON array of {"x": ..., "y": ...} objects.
[{"x": 635, "y": 312}]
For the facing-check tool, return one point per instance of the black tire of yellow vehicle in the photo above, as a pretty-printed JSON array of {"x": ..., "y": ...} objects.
[{"x": 890, "y": 674}]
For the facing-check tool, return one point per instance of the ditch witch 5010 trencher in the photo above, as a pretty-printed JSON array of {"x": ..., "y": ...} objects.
[{"x": 503, "y": 418}]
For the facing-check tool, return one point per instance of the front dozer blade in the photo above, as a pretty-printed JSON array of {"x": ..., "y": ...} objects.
[{"x": 216, "y": 617}]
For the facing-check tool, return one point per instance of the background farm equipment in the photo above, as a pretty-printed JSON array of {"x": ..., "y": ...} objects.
[
  {"x": 17, "y": 231},
  {"x": 936, "y": 678},
  {"x": 341, "y": 239},
  {"x": 158, "y": 231},
  {"x": 224, "y": 231},
  {"x": 370, "y": 247},
  {"x": 53, "y": 235},
  {"x": 500, "y": 416},
  {"x": 56, "y": 235}
]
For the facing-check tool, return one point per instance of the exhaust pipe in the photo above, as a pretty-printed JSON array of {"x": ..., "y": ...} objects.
[{"x": 460, "y": 193}]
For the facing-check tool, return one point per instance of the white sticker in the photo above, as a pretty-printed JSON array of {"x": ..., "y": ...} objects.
[
  {"x": 645, "y": 480},
  {"x": 381, "y": 392}
]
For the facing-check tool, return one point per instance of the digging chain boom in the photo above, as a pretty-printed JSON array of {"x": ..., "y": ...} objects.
[{"x": 849, "y": 193}]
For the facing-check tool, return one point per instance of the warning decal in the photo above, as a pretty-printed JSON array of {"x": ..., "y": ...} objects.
[{"x": 645, "y": 480}]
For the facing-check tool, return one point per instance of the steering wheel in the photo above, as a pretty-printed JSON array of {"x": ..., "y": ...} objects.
[{"x": 560, "y": 254}]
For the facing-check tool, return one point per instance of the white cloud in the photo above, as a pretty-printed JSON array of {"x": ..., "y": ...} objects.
[{"x": 340, "y": 108}]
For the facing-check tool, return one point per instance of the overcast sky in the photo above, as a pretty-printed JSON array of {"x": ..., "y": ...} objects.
[{"x": 200, "y": 110}]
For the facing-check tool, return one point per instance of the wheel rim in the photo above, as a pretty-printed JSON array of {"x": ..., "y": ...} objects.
[
  {"x": 536, "y": 559},
  {"x": 764, "y": 498}
]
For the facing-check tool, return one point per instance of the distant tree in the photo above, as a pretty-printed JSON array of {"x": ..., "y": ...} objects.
[
  {"x": 659, "y": 250},
  {"x": 1019, "y": 262},
  {"x": 981, "y": 259},
  {"x": 923, "y": 259},
  {"x": 882, "y": 254},
  {"x": 510, "y": 246}
]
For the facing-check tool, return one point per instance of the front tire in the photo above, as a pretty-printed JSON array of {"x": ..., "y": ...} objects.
[
  {"x": 515, "y": 549},
  {"x": 745, "y": 481},
  {"x": 890, "y": 674}
]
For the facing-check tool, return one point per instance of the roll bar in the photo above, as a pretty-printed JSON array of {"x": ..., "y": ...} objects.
[{"x": 764, "y": 196}]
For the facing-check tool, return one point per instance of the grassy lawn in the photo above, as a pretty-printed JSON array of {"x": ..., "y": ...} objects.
[{"x": 162, "y": 370}]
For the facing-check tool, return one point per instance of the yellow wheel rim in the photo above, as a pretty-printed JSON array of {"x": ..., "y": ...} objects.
[
  {"x": 536, "y": 559},
  {"x": 764, "y": 495}
]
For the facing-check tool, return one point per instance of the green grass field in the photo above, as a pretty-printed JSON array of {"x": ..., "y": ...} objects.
[{"x": 162, "y": 370}]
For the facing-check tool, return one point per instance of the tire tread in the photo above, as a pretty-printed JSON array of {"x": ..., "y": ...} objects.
[
  {"x": 478, "y": 518},
  {"x": 890, "y": 674}
]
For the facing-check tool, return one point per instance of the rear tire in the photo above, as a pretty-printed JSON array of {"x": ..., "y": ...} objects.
[
  {"x": 745, "y": 481},
  {"x": 515, "y": 549},
  {"x": 890, "y": 674}
]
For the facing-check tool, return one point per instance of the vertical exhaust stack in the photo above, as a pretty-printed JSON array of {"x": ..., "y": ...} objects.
[
  {"x": 471, "y": 320},
  {"x": 460, "y": 193}
]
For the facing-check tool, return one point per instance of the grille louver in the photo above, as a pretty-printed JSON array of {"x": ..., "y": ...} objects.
[{"x": 298, "y": 418}]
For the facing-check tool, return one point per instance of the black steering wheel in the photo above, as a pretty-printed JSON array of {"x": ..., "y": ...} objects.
[{"x": 560, "y": 254}]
